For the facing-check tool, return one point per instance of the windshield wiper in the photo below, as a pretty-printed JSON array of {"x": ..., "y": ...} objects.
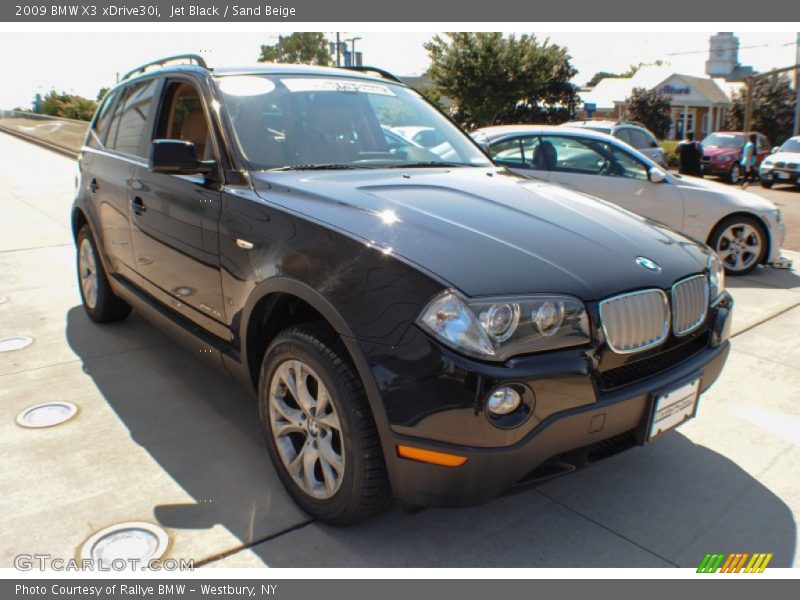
[
  {"x": 320, "y": 167},
  {"x": 427, "y": 163}
]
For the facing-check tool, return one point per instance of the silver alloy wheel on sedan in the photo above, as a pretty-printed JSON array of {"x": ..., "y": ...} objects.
[
  {"x": 306, "y": 429},
  {"x": 739, "y": 246},
  {"x": 87, "y": 269}
]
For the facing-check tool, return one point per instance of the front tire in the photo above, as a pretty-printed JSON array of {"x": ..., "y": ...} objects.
[
  {"x": 99, "y": 300},
  {"x": 741, "y": 243},
  {"x": 766, "y": 184},
  {"x": 319, "y": 428}
]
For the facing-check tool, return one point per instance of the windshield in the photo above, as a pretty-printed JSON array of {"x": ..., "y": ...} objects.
[
  {"x": 792, "y": 145},
  {"x": 298, "y": 122},
  {"x": 724, "y": 140}
]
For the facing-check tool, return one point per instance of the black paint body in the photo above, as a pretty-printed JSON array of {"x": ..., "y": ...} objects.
[{"x": 320, "y": 240}]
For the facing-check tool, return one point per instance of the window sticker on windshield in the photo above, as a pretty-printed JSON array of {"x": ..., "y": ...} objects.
[{"x": 301, "y": 84}]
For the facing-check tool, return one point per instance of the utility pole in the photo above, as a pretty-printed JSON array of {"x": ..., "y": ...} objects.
[
  {"x": 338, "y": 54},
  {"x": 796, "y": 130}
]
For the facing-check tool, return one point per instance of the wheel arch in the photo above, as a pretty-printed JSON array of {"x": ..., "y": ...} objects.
[
  {"x": 265, "y": 303},
  {"x": 755, "y": 217}
]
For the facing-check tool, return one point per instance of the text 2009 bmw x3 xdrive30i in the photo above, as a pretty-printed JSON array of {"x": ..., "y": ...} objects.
[{"x": 416, "y": 322}]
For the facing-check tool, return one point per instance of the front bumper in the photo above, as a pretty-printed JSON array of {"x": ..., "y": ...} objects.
[
  {"x": 574, "y": 422},
  {"x": 775, "y": 175},
  {"x": 720, "y": 169}
]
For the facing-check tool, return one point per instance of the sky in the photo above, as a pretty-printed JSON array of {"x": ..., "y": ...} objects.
[{"x": 82, "y": 63}]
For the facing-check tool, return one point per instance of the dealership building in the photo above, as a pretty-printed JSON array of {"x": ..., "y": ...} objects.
[{"x": 697, "y": 103}]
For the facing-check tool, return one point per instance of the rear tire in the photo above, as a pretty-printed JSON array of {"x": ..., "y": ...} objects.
[
  {"x": 319, "y": 427},
  {"x": 735, "y": 174},
  {"x": 99, "y": 300}
]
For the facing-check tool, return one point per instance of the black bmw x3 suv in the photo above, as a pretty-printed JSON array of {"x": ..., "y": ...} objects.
[{"x": 415, "y": 322}]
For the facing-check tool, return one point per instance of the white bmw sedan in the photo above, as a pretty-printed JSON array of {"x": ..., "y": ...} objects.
[{"x": 745, "y": 229}]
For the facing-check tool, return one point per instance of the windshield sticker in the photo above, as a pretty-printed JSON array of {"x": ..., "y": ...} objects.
[
  {"x": 245, "y": 86},
  {"x": 299, "y": 84}
]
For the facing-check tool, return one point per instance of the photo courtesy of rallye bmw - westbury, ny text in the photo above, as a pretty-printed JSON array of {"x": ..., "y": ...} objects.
[{"x": 329, "y": 298}]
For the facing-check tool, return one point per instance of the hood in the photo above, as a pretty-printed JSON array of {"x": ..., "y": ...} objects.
[
  {"x": 695, "y": 188},
  {"x": 489, "y": 232},
  {"x": 718, "y": 151},
  {"x": 788, "y": 157}
]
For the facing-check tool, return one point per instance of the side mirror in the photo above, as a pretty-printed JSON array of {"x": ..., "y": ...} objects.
[
  {"x": 428, "y": 138},
  {"x": 775, "y": 149},
  {"x": 657, "y": 175},
  {"x": 177, "y": 157}
]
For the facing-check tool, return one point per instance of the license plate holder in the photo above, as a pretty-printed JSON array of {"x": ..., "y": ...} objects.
[{"x": 673, "y": 406}]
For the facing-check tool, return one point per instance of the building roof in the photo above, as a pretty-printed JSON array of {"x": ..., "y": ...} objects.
[{"x": 610, "y": 91}]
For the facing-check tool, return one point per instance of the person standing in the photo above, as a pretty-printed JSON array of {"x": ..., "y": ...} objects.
[
  {"x": 689, "y": 155},
  {"x": 748, "y": 162}
]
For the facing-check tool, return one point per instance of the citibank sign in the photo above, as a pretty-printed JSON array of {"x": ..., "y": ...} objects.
[{"x": 671, "y": 90}]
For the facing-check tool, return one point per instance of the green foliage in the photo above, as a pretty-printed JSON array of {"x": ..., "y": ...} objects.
[
  {"x": 70, "y": 106},
  {"x": 670, "y": 146},
  {"x": 651, "y": 108},
  {"x": 598, "y": 77},
  {"x": 309, "y": 48},
  {"x": 773, "y": 108},
  {"x": 632, "y": 70},
  {"x": 493, "y": 79}
]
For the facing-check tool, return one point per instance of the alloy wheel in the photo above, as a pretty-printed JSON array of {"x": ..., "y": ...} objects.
[
  {"x": 739, "y": 246},
  {"x": 87, "y": 270},
  {"x": 306, "y": 428}
]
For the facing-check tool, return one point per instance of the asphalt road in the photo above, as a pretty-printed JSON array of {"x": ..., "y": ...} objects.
[{"x": 160, "y": 438}]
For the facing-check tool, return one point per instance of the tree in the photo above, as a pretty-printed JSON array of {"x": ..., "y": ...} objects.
[
  {"x": 632, "y": 70},
  {"x": 309, "y": 48},
  {"x": 651, "y": 108},
  {"x": 493, "y": 79},
  {"x": 773, "y": 108},
  {"x": 70, "y": 106},
  {"x": 598, "y": 77}
]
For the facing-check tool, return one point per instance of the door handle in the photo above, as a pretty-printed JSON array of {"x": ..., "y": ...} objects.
[
  {"x": 137, "y": 205},
  {"x": 93, "y": 187}
]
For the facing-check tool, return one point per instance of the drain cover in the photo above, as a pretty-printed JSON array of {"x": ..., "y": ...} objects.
[
  {"x": 14, "y": 343},
  {"x": 47, "y": 414},
  {"x": 125, "y": 542}
]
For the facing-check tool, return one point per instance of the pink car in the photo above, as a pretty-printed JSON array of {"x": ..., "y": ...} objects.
[{"x": 722, "y": 153}]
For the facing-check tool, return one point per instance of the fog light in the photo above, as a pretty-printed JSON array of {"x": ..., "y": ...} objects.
[{"x": 503, "y": 401}]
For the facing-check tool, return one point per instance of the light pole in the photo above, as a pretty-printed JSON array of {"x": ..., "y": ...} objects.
[
  {"x": 797, "y": 89},
  {"x": 353, "y": 41}
]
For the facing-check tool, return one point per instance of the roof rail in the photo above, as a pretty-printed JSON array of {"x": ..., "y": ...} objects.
[
  {"x": 376, "y": 70},
  {"x": 199, "y": 60}
]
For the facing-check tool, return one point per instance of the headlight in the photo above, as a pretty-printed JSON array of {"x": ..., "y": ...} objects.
[
  {"x": 726, "y": 158},
  {"x": 716, "y": 276},
  {"x": 498, "y": 328},
  {"x": 766, "y": 163}
]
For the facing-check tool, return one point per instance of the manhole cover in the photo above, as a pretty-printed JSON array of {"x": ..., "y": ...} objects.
[
  {"x": 124, "y": 542},
  {"x": 14, "y": 343},
  {"x": 47, "y": 414}
]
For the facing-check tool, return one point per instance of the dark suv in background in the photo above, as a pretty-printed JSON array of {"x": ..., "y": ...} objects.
[{"x": 429, "y": 329}]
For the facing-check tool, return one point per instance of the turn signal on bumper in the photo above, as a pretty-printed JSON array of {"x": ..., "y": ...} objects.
[{"x": 431, "y": 457}]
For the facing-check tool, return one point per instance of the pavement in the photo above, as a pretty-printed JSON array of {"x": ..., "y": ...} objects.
[{"x": 160, "y": 438}]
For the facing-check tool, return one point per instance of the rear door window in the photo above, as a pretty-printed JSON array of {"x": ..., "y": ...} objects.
[{"x": 128, "y": 134}]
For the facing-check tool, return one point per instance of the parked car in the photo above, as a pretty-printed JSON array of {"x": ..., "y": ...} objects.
[
  {"x": 433, "y": 331},
  {"x": 722, "y": 153},
  {"x": 744, "y": 228},
  {"x": 633, "y": 134},
  {"x": 783, "y": 166}
]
